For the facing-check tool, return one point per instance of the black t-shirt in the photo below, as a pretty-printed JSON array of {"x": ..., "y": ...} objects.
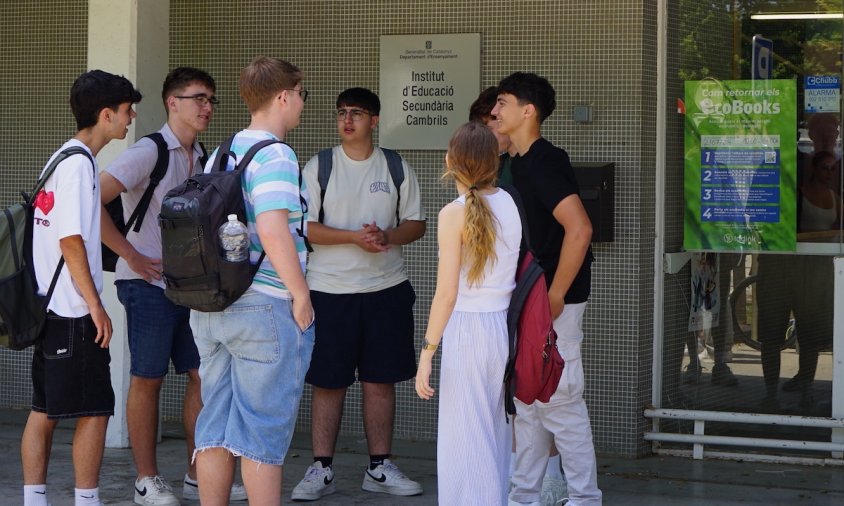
[{"x": 544, "y": 177}]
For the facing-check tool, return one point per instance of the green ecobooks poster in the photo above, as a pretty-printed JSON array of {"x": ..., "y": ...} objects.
[{"x": 740, "y": 165}]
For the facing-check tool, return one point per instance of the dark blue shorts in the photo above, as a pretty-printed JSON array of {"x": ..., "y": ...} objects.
[
  {"x": 371, "y": 333},
  {"x": 158, "y": 330},
  {"x": 70, "y": 372}
]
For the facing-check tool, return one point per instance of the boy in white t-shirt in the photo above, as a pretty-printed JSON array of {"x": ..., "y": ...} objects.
[
  {"x": 361, "y": 295},
  {"x": 70, "y": 365}
]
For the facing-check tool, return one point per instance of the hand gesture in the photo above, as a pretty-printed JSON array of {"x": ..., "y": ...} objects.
[
  {"x": 103, "y": 324},
  {"x": 372, "y": 239},
  {"x": 423, "y": 374},
  {"x": 303, "y": 312},
  {"x": 148, "y": 268}
]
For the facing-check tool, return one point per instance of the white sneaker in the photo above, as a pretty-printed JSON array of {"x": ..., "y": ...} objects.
[
  {"x": 190, "y": 490},
  {"x": 388, "y": 479},
  {"x": 318, "y": 482},
  {"x": 511, "y": 502},
  {"x": 553, "y": 491},
  {"x": 154, "y": 491}
]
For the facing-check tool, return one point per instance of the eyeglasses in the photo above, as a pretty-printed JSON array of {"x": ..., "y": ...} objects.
[
  {"x": 302, "y": 93},
  {"x": 354, "y": 114},
  {"x": 201, "y": 99}
]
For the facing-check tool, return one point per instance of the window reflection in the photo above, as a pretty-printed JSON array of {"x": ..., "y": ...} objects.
[{"x": 769, "y": 348}]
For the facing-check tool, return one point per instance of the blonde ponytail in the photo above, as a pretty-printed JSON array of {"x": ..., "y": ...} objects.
[
  {"x": 473, "y": 162},
  {"x": 478, "y": 236}
]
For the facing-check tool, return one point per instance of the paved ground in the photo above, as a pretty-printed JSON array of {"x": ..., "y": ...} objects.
[{"x": 643, "y": 482}]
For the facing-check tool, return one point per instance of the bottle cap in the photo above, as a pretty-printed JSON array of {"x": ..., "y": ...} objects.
[{"x": 232, "y": 217}]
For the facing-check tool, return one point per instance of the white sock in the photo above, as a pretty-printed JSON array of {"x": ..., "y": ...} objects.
[
  {"x": 35, "y": 495},
  {"x": 87, "y": 496},
  {"x": 553, "y": 468}
]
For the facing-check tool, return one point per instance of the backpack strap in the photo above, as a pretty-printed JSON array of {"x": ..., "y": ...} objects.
[
  {"x": 204, "y": 158},
  {"x": 325, "y": 162},
  {"x": 394, "y": 163},
  {"x": 158, "y": 172},
  {"x": 520, "y": 205},
  {"x": 65, "y": 154},
  {"x": 223, "y": 153},
  {"x": 516, "y": 299},
  {"x": 225, "y": 150},
  {"x": 241, "y": 166}
]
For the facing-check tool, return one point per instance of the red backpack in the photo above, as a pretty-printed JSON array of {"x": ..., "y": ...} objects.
[{"x": 534, "y": 365}]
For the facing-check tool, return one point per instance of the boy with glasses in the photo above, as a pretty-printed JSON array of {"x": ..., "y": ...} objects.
[
  {"x": 255, "y": 353},
  {"x": 159, "y": 331},
  {"x": 361, "y": 294},
  {"x": 70, "y": 365},
  {"x": 543, "y": 175}
]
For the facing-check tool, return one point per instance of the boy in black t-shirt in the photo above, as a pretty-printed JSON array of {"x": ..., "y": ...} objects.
[{"x": 561, "y": 233}]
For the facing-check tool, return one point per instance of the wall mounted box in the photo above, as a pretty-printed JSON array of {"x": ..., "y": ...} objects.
[{"x": 597, "y": 191}]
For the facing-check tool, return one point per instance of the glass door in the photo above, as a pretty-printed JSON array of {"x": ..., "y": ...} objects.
[{"x": 753, "y": 200}]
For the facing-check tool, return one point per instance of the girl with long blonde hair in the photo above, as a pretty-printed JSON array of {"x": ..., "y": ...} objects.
[{"x": 479, "y": 235}]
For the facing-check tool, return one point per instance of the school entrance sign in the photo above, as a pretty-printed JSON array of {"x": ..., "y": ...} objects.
[{"x": 427, "y": 84}]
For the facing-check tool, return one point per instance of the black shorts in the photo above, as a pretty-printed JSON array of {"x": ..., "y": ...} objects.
[
  {"x": 368, "y": 332},
  {"x": 70, "y": 372}
]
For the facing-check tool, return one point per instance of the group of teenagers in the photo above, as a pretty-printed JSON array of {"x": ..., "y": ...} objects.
[{"x": 339, "y": 314}]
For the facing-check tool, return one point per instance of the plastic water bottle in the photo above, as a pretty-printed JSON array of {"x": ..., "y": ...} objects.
[{"x": 234, "y": 238}]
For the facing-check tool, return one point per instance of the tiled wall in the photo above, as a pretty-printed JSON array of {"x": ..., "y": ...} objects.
[
  {"x": 43, "y": 48},
  {"x": 598, "y": 52}
]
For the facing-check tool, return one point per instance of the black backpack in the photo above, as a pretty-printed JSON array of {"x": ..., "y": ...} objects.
[
  {"x": 325, "y": 159},
  {"x": 115, "y": 207},
  {"x": 196, "y": 273},
  {"x": 22, "y": 310}
]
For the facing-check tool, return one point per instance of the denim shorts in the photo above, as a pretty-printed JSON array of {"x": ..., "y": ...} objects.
[
  {"x": 70, "y": 372},
  {"x": 369, "y": 333},
  {"x": 158, "y": 330},
  {"x": 253, "y": 359}
]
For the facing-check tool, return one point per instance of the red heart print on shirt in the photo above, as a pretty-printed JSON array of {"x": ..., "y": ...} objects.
[{"x": 45, "y": 201}]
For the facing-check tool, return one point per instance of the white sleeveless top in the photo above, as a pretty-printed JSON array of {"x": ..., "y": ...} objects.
[
  {"x": 493, "y": 294},
  {"x": 814, "y": 218}
]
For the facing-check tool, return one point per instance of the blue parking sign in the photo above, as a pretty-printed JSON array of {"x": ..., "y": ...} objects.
[{"x": 762, "y": 60}]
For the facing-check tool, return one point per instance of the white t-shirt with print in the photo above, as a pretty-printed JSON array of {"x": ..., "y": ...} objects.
[
  {"x": 68, "y": 205},
  {"x": 358, "y": 193},
  {"x": 133, "y": 168}
]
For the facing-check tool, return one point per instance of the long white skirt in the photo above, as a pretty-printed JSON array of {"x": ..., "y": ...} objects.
[{"x": 474, "y": 438}]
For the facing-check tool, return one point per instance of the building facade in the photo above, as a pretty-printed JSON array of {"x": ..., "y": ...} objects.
[{"x": 627, "y": 60}]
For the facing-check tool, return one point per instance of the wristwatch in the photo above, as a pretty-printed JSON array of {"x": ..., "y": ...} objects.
[{"x": 430, "y": 347}]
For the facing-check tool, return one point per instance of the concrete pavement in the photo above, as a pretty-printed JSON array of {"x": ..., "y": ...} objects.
[{"x": 648, "y": 481}]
